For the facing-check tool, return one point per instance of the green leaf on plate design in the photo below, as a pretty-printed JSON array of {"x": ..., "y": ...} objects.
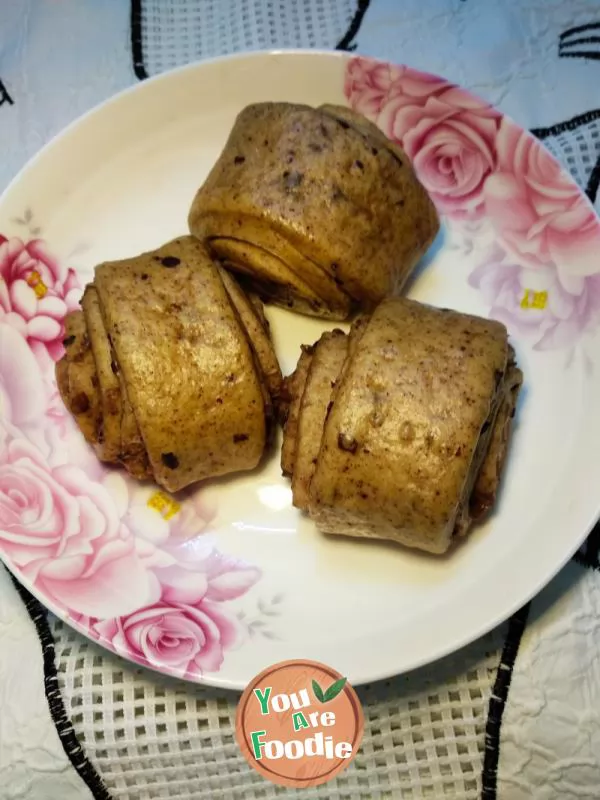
[
  {"x": 318, "y": 691},
  {"x": 335, "y": 689},
  {"x": 330, "y": 693}
]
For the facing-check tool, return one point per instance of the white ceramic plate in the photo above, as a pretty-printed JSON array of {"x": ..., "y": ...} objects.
[{"x": 222, "y": 583}]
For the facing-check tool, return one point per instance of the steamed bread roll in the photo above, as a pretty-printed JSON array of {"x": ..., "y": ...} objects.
[
  {"x": 293, "y": 391},
  {"x": 315, "y": 208},
  {"x": 120, "y": 439},
  {"x": 77, "y": 378},
  {"x": 109, "y": 388},
  {"x": 415, "y": 428},
  {"x": 187, "y": 364},
  {"x": 257, "y": 329},
  {"x": 488, "y": 479},
  {"x": 177, "y": 365},
  {"x": 327, "y": 360}
]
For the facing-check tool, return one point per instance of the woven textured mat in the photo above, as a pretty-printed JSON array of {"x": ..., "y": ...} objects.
[{"x": 150, "y": 736}]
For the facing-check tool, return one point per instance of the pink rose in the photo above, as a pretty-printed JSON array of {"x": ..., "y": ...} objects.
[
  {"x": 203, "y": 573},
  {"x": 370, "y": 85},
  {"x": 448, "y": 134},
  {"x": 536, "y": 303},
  {"x": 62, "y": 531},
  {"x": 36, "y": 292},
  {"x": 153, "y": 515},
  {"x": 65, "y": 442},
  {"x": 539, "y": 214},
  {"x": 22, "y": 390},
  {"x": 450, "y": 141},
  {"x": 32, "y": 404},
  {"x": 188, "y": 640},
  {"x": 188, "y": 630}
]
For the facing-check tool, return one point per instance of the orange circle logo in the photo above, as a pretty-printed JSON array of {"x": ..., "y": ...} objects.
[{"x": 299, "y": 723}]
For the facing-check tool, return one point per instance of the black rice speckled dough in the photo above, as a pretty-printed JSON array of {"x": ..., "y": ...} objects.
[
  {"x": 315, "y": 207},
  {"x": 183, "y": 371},
  {"x": 408, "y": 439}
]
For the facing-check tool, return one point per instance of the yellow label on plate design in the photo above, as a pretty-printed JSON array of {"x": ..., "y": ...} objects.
[
  {"x": 34, "y": 279},
  {"x": 532, "y": 299},
  {"x": 165, "y": 505}
]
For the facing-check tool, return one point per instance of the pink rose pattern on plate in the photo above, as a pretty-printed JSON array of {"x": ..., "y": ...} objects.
[
  {"x": 36, "y": 292},
  {"x": 542, "y": 275},
  {"x": 78, "y": 532}
]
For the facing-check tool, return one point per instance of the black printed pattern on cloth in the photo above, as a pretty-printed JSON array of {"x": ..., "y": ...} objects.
[
  {"x": 576, "y": 143},
  {"x": 64, "y": 728},
  {"x": 582, "y": 41},
  {"x": 170, "y": 33},
  {"x": 137, "y": 50},
  {"x": 5, "y": 96},
  {"x": 347, "y": 41},
  {"x": 497, "y": 704}
]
